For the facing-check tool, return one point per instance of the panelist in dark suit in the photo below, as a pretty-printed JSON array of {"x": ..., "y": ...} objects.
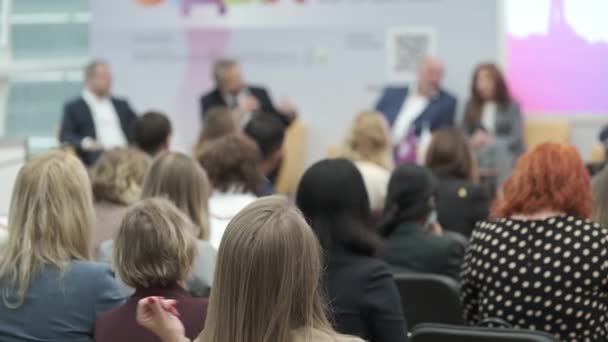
[
  {"x": 243, "y": 100},
  {"x": 422, "y": 106},
  {"x": 96, "y": 120}
]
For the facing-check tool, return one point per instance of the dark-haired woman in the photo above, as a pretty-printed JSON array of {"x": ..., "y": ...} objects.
[
  {"x": 361, "y": 290},
  {"x": 461, "y": 201},
  {"x": 494, "y": 123},
  {"x": 415, "y": 240}
]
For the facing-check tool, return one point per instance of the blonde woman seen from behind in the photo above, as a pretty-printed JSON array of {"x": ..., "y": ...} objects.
[
  {"x": 184, "y": 182},
  {"x": 267, "y": 286},
  {"x": 368, "y": 145},
  {"x": 49, "y": 290},
  {"x": 155, "y": 249},
  {"x": 117, "y": 178}
]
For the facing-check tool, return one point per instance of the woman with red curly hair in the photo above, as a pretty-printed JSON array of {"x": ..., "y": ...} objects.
[{"x": 540, "y": 264}]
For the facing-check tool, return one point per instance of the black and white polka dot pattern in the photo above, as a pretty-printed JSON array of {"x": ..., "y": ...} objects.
[{"x": 549, "y": 275}]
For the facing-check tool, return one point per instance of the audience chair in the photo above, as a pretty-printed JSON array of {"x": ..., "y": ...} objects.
[
  {"x": 538, "y": 131},
  {"x": 429, "y": 298},
  {"x": 451, "y": 333},
  {"x": 292, "y": 166}
]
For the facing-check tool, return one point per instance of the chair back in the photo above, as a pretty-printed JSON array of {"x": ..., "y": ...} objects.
[
  {"x": 451, "y": 333},
  {"x": 429, "y": 298}
]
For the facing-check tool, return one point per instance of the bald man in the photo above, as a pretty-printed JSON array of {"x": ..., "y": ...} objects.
[{"x": 423, "y": 105}]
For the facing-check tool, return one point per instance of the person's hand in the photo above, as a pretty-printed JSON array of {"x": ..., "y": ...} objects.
[
  {"x": 435, "y": 228},
  {"x": 481, "y": 138},
  {"x": 92, "y": 145},
  {"x": 249, "y": 104},
  {"x": 160, "y": 317},
  {"x": 288, "y": 109}
]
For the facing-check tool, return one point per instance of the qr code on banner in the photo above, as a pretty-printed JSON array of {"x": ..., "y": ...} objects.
[{"x": 405, "y": 49}]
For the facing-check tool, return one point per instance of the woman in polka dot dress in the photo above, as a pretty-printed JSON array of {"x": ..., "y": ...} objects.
[{"x": 541, "y": 265}]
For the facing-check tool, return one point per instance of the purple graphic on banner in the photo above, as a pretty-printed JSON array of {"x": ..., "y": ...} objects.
[{"x": 560, "y": 72}]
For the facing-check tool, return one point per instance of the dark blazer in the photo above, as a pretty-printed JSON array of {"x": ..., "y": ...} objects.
[
  {"x": 214, "y": 98},
  {"x": 363, "y": 298},
  {"x": 77, "y": 123},
  {"x": 440, "y": 112},
  {"x": 119, "y": 325},
  {"x": 410, "y": 248},
  {"x": 460, "y": 204}
]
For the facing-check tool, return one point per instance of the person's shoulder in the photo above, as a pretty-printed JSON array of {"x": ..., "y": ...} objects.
[
  {"x": 89, "y": 271},
  {"x": 121, "y": 101},
  {"x": 391, "y": 90},
  {"x": 460, "y": 188},
  {"x": 209, "y": 95},
  {"x": 372, "y": 170},
  {"x": 75, "y": 103},
  {"x": 256, "y": 88},
  {"x": 446, "y": 95}
]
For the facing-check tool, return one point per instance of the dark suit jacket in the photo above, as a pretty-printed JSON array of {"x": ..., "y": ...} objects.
[
  {"x": 119, "y": 325},
  {"x": 440, "y": 112},
  {"x": 412, "y": 249},
  {"x": 77, "y": 123},
  {"x": 363, "y": 298},
  {"x": 215, "y": 99},
  {"x": 460, "y": 204}
]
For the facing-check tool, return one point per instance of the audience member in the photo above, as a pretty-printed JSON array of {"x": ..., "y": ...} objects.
[
  {"x": 267, "y": 284},
  {"x": 155, "y": 249},
  {"x": 360, "y": 287},
  {"x": 600, "y": 197},
  {"x": 413, "y": 110},
  {"x": 49, "y": 289},
  {"x": 117, "y": 179},
  {"x": 493, "y": 121},
  {"x": 268, "y": 132},
  {"x": 415, "y": 240},
  {"x": 368, "y": 145},
  {"x": 217, "y": 123},
  {"x": 182, "y": 181},
  {"x": 232, "y": 165},
  {"x": 460, "y": 201},
  {"x": 152, "y": 133},
  {"x": 541, "y": 264},
  {"x": 241, "y": 99},
  {"x": 96, "y": 120}
]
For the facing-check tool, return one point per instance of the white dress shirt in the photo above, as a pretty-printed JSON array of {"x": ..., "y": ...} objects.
[
  {"x": 233, "y": 101},
  {"x": 107, "y": 125},
  {"x": 488, "y": 117},
  {"x": 413, "y": 106}
]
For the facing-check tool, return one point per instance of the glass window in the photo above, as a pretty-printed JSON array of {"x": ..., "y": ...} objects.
[
  {"x": 49, "y": 6},
  {"x": 43, "y": 41}
]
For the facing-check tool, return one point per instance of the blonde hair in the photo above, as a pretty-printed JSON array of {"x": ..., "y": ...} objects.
[
  {"x": 267, "y": 279},
  {"x": 155, "y": 246},
  {"x": 368, "y": 140},
  {"x": 118, "y": 175},
  {"x": 50, "y": 219},
  {"x": 184, "y": 182}
]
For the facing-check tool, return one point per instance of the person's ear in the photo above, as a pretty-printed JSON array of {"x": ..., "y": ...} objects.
[{"x": 167, "y": 143}]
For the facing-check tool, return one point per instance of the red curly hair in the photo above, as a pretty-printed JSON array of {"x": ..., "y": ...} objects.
[{"x": 549, "y": 177}]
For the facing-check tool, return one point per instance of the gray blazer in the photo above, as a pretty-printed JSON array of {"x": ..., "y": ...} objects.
[
  {"x": 61, "y": 305},
  {"x": 199, "y": 283},
  {"x": 509, "y": 145}
]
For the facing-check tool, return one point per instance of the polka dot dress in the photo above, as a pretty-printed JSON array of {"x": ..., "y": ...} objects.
[{"x": 549, "y": 275}]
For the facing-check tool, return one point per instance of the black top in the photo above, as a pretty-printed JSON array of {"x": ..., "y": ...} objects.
[
  {"x": 214, "y": 98},
  {"x": 460, "y": 204},
  {"x": 364, "y": 298},
  {"x": 77, "y": 123},
  {"x": 411, "y": 248},
  {"x": 549, "y": 275}
]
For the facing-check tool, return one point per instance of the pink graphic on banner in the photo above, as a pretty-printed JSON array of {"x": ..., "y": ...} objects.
[{"x": 560, "y": 72}]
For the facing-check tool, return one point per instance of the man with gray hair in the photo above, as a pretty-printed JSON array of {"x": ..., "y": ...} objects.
[
  {"x": 96, "y": 120},
  {"x": 243, "y": 100}
]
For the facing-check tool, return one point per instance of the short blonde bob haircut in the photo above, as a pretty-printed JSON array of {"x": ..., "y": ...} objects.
[
  {"x": 155, "y": 246},
  {"x": 368, "y": 140},
  {"x": 267, "y": 279},
  {"x": 49, "y": 221},
  {"x": 118, "y": 175},
  {"x": 184, "y": 182}
]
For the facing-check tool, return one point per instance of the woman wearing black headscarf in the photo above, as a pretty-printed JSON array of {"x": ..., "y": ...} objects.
[{"x": 415, "y": 242}]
